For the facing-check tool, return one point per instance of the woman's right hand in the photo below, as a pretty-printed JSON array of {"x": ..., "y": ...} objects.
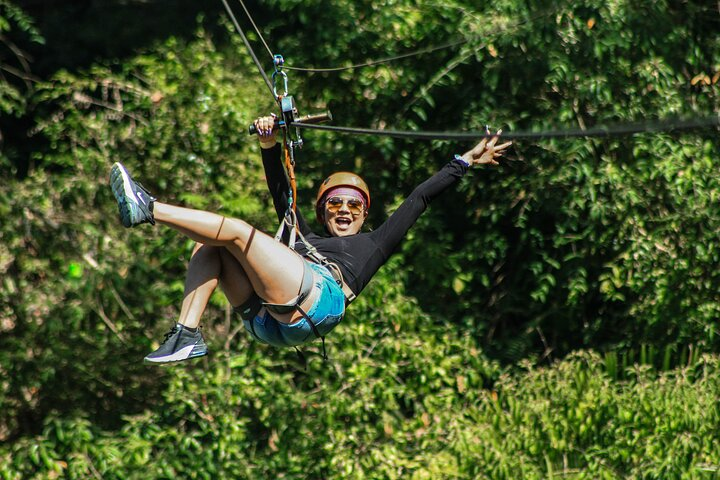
[
  {"x": 266, "y": 131},
  {"x": 485, "y": 152}
]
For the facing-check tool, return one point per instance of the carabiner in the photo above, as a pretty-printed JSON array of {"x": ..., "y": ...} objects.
[{"x": 278, "y": 61}]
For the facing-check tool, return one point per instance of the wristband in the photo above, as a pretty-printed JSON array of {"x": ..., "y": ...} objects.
[{"x": 459, "y": 158}]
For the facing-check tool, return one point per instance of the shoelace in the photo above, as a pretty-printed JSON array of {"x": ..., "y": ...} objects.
[{"x": 172, "y": 332}]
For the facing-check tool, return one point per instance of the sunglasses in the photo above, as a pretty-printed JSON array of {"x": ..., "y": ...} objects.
[{"x": 355, "y": 206}]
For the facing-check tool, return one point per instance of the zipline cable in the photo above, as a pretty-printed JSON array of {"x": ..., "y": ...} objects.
[
  {"x": 257, "y": 30},
  {"x": 370, "y": 63},
  {"x": 350, "y": 67},
  {"x": 422, "y": 51},
  {"x": 597, "y": 132},
  {"x": 250, "y": 50},
  {"x": 380, "y": 61}
]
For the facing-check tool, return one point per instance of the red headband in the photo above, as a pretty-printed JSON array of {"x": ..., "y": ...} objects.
[{"x": 349, "y": 191}]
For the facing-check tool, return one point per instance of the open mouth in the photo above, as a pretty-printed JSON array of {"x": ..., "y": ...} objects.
[{"x": 343, "y": 222}]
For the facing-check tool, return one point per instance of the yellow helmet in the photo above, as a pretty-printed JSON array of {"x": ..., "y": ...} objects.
[{"x": 340, "y": 179}]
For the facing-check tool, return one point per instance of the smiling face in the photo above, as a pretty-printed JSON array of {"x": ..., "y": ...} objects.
[{"x": 344, "y": 215}]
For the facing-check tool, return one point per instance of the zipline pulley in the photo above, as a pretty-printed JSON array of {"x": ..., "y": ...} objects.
[{"x": 289, "y": 111}]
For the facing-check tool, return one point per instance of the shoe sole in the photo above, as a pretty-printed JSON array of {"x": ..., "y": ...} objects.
[
  {"x": 127, "y": 191},
  {"x": 124, "y": 195},
  {"x": 191, "y": 351}
]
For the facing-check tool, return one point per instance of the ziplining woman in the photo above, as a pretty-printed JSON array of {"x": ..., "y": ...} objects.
[{"x": 285, "y": 296}]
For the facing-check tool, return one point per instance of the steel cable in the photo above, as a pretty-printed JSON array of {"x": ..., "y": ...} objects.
[
  {"x": 250, "y": 50},
  {"x": 596, "y": 132}
]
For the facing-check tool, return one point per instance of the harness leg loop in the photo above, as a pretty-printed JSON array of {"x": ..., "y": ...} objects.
[{"x": 305, "y": 288}]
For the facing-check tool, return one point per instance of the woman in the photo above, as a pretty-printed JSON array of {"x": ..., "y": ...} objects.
[{"x": 285, "y": 297}]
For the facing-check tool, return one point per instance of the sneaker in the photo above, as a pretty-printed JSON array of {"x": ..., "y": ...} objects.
[
  {"x": 179, "y": 344},
  {"x": 134, "y": 202}
]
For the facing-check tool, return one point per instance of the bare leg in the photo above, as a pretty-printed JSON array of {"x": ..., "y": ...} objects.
[
  {"x": 274, "y": 270},
  {"x": 233, "y": 279},
  {"x": 208, "y": 266}
]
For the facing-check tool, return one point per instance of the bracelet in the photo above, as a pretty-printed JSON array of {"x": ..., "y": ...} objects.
[{"x": 459, "y": 158}]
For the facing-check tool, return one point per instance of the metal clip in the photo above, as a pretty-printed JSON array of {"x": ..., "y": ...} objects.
[{"x": 278, "y": 61}]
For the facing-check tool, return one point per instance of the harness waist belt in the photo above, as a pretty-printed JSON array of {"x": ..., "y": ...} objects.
[{"x": 334, "y": 271}]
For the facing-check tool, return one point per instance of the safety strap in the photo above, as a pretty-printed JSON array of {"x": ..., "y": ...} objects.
[
  {"x": 315, "y": 331},
  {"x": 295, "y": 304},
  {"x": 321, "y": 259},
  {"x": 290, "y": 167},
  {"x": 289, "y": 224}
]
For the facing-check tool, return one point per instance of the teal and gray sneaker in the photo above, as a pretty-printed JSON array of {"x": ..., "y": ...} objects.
[
  {"x": 179, "y": 344},
  {"x": 135, "y": 203}
]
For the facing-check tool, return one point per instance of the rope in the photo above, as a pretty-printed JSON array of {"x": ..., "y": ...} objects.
[
  {"x": 600, "y": 131},
  {"x": 339, "y": 69},
  {"x": 250, "y": 50},
  {"x": 290, "y": 171}
]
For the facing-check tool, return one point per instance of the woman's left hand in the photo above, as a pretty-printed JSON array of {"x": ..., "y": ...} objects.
[{"x": 485, "y": 152}]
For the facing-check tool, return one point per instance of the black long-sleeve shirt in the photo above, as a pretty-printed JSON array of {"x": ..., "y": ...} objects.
[{"x": 360, "y": 256}]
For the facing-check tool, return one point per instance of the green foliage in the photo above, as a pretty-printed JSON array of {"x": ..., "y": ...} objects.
[
  {"x": 456, "y": 361},
  {"x": 249, "y": 416},
  {"x": 580, "y": 243},
  {"x": 15, "y": 72},
  {"x": 70, "y": 305}
]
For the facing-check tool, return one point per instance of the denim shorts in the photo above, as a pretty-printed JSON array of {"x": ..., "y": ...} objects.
[{"x": 326, "y": 313}]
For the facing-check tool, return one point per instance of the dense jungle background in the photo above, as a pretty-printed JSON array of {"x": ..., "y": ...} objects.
[{"x": 554, "y": 317}]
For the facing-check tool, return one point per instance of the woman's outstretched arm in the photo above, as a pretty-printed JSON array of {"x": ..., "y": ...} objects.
[{"x": 391, "y": 233}]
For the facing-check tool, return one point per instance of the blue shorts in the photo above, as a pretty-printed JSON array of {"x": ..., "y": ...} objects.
[{"x": 326, "y": 313}]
